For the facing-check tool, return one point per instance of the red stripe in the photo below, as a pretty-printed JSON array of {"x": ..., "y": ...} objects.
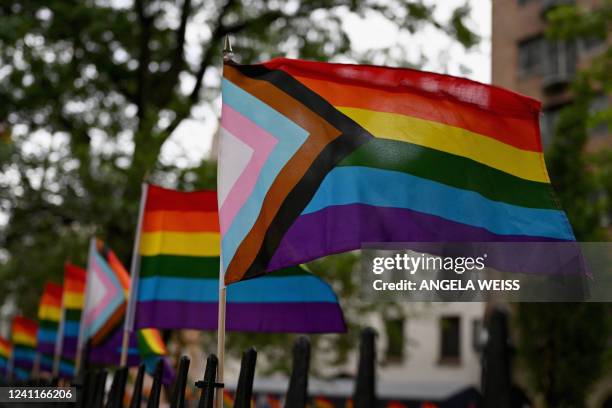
[
  {"x": 52, "y": 293},
  {"x": 488, "y": 110},
  {"x": 24, "y": 325},
  {"x": 159, "y": 198},
  {"x": 74, "y": 273}
]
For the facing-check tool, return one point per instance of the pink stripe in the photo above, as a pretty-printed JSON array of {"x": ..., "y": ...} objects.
[
  {"x": 262, "y": 144},
  {"x": 110, "y": 290}
]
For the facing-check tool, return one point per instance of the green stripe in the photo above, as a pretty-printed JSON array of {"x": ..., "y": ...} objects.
[
  {"x": 73, "y": 315},
  {"x": 180, "y": 266},
  {"x": 48, "y": 324},
  {"x": 455, "y": 171},
  {"x": 291, "y": 271}
]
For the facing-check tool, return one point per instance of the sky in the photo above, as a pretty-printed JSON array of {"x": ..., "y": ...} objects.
[{"x": 191, "y": 141}]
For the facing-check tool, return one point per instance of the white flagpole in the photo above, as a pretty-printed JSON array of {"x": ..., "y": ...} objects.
[
  {"x": 227, "y": 56},
  {"x": 130, "y": 313},
  {"x": 59, "y": 339},
  {"x": 81, "y": 339}
]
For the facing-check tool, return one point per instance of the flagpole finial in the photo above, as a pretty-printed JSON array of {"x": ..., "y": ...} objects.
[{"x": 227, "y": 49}]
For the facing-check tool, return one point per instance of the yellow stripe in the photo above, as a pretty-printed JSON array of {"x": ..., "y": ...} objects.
[
  {"x": 154, "y": 341},
  {"x": 50, "y": 313},
  {"x": 177, "y": 243},
  {"x": 24, "y": 339},
  {"x": 73, "y": 300},
  {"x": 454, "y": 140}
]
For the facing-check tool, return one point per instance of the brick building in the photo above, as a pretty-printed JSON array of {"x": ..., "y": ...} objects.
[{"x": 524, "y": 60}]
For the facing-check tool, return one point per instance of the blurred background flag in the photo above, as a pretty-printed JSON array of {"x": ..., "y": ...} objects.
[
  {"x": 5, "y": 354},
  {"x": 408, "y": 156},
  {"x": 107, "y": 285},
  {"x": 73, "y": 298},
  {"x": 105, "y": 294},
  {"x": 23, "y": 337},
  {"x": 49, "y": 315},
  {"x": 178, "y": 284}
]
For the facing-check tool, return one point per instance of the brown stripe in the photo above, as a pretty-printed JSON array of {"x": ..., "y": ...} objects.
[{"x": 321, "y": 133}]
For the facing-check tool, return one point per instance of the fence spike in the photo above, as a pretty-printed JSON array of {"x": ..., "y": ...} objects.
[
  {"x": 365, "y": 384},
  {"x": 244, "y": 390},
  {"x": 207, "y": 397},
  {"x": 178, "y": 395},
  {"x": 137, "y": 392},
  {"x": 297, "y": 393},
  {"x": 154, "y": 398},
  {"x": 117, "y": 391}
]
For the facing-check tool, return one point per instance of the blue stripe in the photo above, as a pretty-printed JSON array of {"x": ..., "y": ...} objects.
[
  {"x": 46, "y": 336},
  {"x": 268, "y": 290},
  {"x": 71, "y": 328},
  {"x": 21, "y": 354},
  {"x": 66, "y": 369},
  {"x": 20, "y": 373},
  {"x": 290, "y": 137},
  {"x": 106, "y": 313},
  {"x": 385, "y": 188}
]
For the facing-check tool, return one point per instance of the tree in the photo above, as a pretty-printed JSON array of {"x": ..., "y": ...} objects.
[
  {"x": 564, "y": 345},
  {"x": 91, "y": 91}
]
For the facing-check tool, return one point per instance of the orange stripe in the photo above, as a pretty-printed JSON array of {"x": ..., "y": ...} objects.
[
  {"x": 180, "y": 221},
  {"x": 76, "y": 287},
  {"x": 522, "y": 133}
]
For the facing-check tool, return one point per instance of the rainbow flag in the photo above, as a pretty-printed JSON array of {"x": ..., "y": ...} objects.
[
  {"x": 105, "y": 294},
  {"x": 23, "y": 337},
  {"x": 5, "y": 355},
  {"x": 49, "y": 316},
  {"x": 178, "y": 284},
  {"x": 73, "y": 299},
  {"x": 318, "y": 158}
]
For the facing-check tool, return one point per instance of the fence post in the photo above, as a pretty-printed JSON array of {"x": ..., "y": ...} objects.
[
  {"x": 117, "y": 391},
  {"x": 80, "y": 385},
  {"x": 244, "y": 390},
  {"x": 137, "y": 392},
  {"x": 497, "y": 370},
  {"x": 98, "y": 398},
  {"x": 297, "y": 393},
  {"x": 178, "y": 397},
  {"x": 157, "y": 385},
  {"x": 365, "y": 384},
  {"x": 207, "y": 397},
  {"x": 89, "y": 388}
]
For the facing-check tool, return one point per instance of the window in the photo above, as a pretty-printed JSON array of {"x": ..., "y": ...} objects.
[
  {"x": 560, "y": 59},
  {"x": 450, "y": 340},
  {"x": 530, "y": 56},
  {"x": 395, "y": 339},
  {"x": 548, "y": 124}
]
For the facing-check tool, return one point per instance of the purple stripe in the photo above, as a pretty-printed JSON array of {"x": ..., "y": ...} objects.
[
  {"x": 312, "y": 317},
  {"x": 69, "y": 347},
  {"x": 46, "y": 348},
  {"x": 347, "y": 227}
]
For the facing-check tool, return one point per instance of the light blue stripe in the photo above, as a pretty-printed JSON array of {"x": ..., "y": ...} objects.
[
  {"x": 385, "y": 188},
  {"x": 106, "y": 313},
  {"x": 71, "y": 329},
  {"x": 265, "y": 290},
  {"x": 46, "y": 336},
  {"x": 290, "y": 137}
]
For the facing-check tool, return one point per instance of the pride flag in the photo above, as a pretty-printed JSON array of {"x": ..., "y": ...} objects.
[
  {"x": 318, "y": 158},
  {"x": 73, "y": 300},
  {"x": 23, "y": 336},
  {"x": 49, "y": 316},
  {"x": 5, "y": 355},
  {"x": 178, "y": 285},
  {"x": 105, "y": 294}
]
